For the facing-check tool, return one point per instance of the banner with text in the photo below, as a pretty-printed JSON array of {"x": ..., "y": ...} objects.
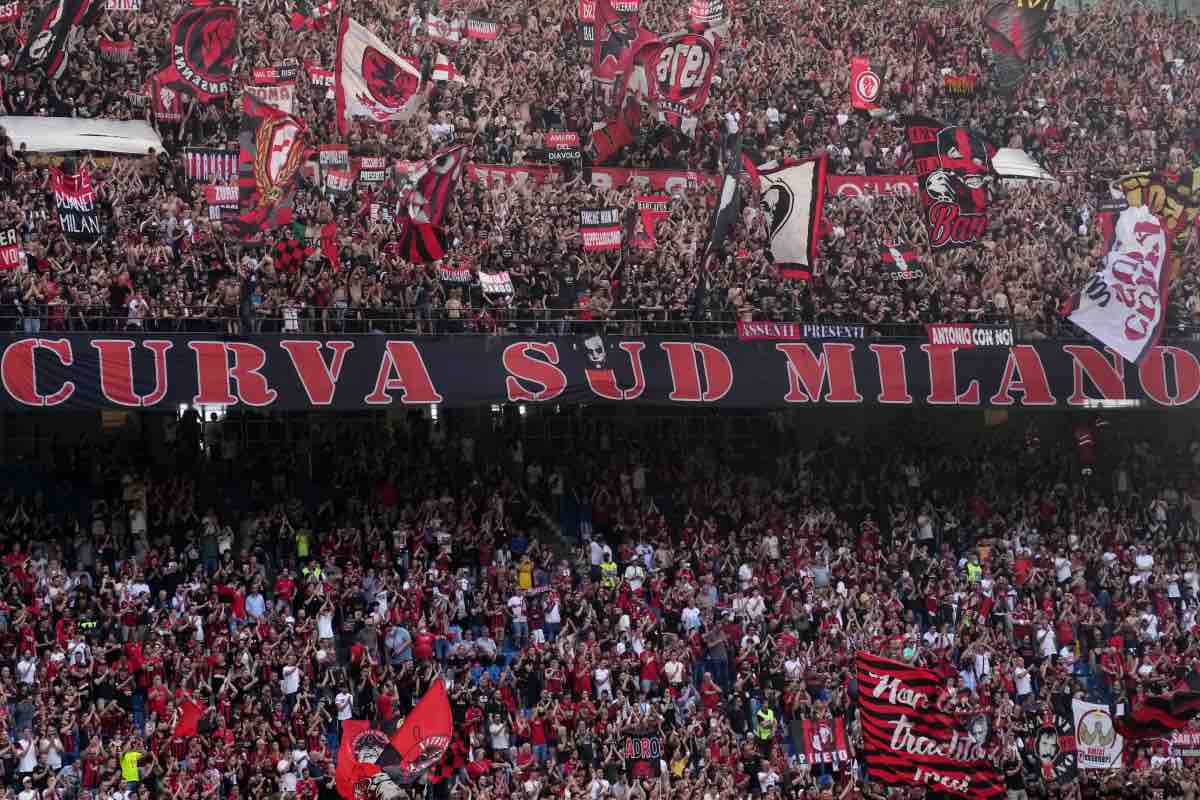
[{"x": 76, "y": 202}]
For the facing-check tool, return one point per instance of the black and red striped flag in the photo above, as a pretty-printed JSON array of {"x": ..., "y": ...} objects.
[
  {"x": 906, "y": 741},
  {"x": 1157, "y": 717},
  {"x": 424, "y": 239}
]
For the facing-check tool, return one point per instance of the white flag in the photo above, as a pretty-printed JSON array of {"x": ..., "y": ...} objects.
[
  {"x": 371, "y": 80},
  {"x": 1098, "y": 745},
  {"x": 444, "y": 70},
  {"x": 1124, "y": 303}
]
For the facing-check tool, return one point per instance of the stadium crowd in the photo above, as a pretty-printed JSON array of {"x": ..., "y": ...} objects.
[
  {"x": 716, "y": 601},
  {"x": 1113, "y": 91}
]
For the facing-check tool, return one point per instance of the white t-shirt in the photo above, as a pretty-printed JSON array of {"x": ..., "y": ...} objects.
[
  {"x": 1062, "y": 569},
  {"x": 1023, "y": 681},
  {"x": 345, "y": 705},
  {"x": 290, "y": 683},
  {"x": 287, "y": 778},
  {"x": 27, "y": 670},
  {"x": 29, "y": 757}
]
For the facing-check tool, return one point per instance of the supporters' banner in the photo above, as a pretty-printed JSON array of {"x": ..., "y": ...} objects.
[
  {"x": 496, "y": 282},
  {"x": 459, "y": 276},
  {"x": 1048, "y": 744},
  {"x": 76, "y": 202},
  {"x": 650, "y": 208},
  {"x": 1015, "y": 30},
  {"x": 961, "y": 85},
  {"x": 900, "y": 264},
  {"x": 708, "y": 13},
  {"x": 444, "y": 31},
  {"x": 600, "y": 229},
  {"x": 123, "y": 5},
  {"x": 309, "y": 13},
  {"x": 603, "y": 177},
  {"x": 483, "y": 29},
  {"x": 76, "y": 372},
  {"x": 562, "y": 140},
  {"x": 1174, "y": 197},
  {"x": 371, "y": 169},
  {"x": 10, "y": 249},
  {"x": 1124, "y": 304},
  {"x": 423, "y": 738},
  {"x": 206, "y": 164},
  {"x": 1098, "y": 744},
  {"x": 587, "y": 23},
  {"x": 1185, "y": 744},
  {"x": 364, "y": 760},
  {"x": 953, "y": 166},
  {"x": 431, "y": 186},
  {"x": 1159, "y": 717},
  {"x": 643, "y": 754},
  {"x": 822, "y": 741},
  {"x": 615, "y": 133},
  {"x": 561, "y": 156},
  {"x": 116, "y": 52},
  {"x": 864, "y": 84},
  {"x": 857, "y": 186},
  {"x": 165, "y": 101},
  {"x": 272, "y": 149},
  {"x": 10, "y": 12},
  {"x": 339, "y": 182},
  {"x": 444, "y": 70},
  {"x": 965, "y": 335},
  {"x": 318, "y": 74},
  {"x": 204, "y": 51},
  {"x": 275, "y": 86},
  {"x": 793, "y": 198},
  {"x": 222, "y": 202},
  {"x": 334, "y": 156},
  {"x": 373, "y": 82},
  {"x": 50, "y": 35},
  {"x": 749, "y": 331},
  {"x": 907, "y": 742}
]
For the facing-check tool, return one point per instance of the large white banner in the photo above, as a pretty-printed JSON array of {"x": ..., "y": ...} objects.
[
  {"x": 1098, "y": 744},
  {"x": 1124, "y": 303},
  {"x": 371, "y": 81}
]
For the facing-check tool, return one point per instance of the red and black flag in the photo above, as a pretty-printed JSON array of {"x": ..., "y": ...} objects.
[
  {"x": 618, "y": 34},
  {"x": 822, "y": 741},
  {"x": 49, "y": 37},
  {"x": 729, "y": 206},
  {"x": 864, "y": 84},
  {"x": 907, "y": 742},
  {"x": 271, "y": 150},
  {"x": 432, "y": 185},
  {"x": 203, "y": 52},
  {"x": 1157, "y": 717},
  {"x": 953, "y": 166},
  {"x": 1015, "y": 31},
  {"x": 899, "y": 263},
  {"x": 76, "y": 202}
]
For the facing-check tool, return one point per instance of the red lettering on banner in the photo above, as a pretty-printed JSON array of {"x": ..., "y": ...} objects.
[
  {"x": 18, "y": 370},
  {"x": 213, "y": 374},
  {"x": 836, "y": 363},
  {"x": 1024, "y": 373},
  {"x": 604, "y": 382},
  {"x": 318, "y": 379},
  {"x": 411, "y": 377},
  {"x": 893, "y": 375},
  {"x": 943, "y": 378},
  {"x": 116, "y": 371},
  {"x": 1153, "y": 374},
  {"x": 685, "y": 374},
  {"x": 522, "y": 366},
  {"x": 1108, "y": 376}
]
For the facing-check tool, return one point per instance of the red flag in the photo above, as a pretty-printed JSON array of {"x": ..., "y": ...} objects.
[
  {"x": 423, "y": 738},
  {"x": 864, "y": 84},
  {"x": 329, "y": 245},
  {"x": 617, "y": 31},
  {"x": 349, "y": 769},
  {"x": 190, "y": 713}
]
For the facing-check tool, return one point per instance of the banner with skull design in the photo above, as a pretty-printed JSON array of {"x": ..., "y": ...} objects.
[
  {"x": 371, "y": 81},
  {"x": 792, "y": 194},
  {"x": 953, "y": 166},
  {"x": 272, "y": 149}
]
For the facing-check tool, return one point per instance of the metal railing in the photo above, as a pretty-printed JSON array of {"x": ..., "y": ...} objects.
[{"x": 492, "y": 321}]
